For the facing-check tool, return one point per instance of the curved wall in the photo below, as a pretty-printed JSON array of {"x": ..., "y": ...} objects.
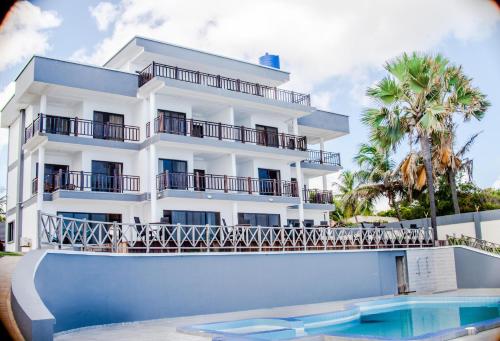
[{"x": 88, "y": 289}]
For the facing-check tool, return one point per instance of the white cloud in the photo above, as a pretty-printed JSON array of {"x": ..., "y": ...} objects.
[
  {"x": 316, "y": 40},
  {"x": 105, "y": 13},
  {"x": 24, "y": 33}
]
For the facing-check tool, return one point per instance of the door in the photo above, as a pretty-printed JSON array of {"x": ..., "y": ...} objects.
[
  {"x": 108, "y": 126},
  {"x": 269, "y": 181},
  {"x": 267, "y": 136},
  {"x": 199, "y": 180},
  {"x": 57, "y": 125},
  {"x": 51, "y": 174},
  {"x": 106, "y": 176},
  {"x": 402, "y": 274},
  {"x": 177, "y": 177},
  {"x": 259, "y": 219},
  {"x": 172, "y": 122}
]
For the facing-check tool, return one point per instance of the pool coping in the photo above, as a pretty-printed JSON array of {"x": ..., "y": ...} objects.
[{"x": 350, "y": 311}]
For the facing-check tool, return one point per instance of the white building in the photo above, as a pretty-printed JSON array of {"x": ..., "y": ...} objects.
[{"x": 163, "y": 133}]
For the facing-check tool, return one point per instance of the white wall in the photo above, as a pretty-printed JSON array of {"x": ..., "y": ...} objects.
[
  {"x": 490, "y": 231},
  {"x": 467, "y": 229},
  {"x": 431, "y": 270}
]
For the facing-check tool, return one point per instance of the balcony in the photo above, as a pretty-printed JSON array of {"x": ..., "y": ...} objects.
[
  {"x": 225, "y": 183},
  {"x": 316, "y": 196},
  {"x": 220, "y": 131},
  {"x": 323, "y": 158},
  {"x": 218, "y": 81},
  {"x": 50, "y": 124},
  {"x": 88, "y": 181}
]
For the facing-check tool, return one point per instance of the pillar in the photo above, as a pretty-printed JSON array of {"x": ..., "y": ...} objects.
[
  {"x": 152, "y": 162},
  {"x": 43, "y": 104},
  {"x": 300, "y": 181},
  {"x": 323, "y": 177},
  {"x": 41, "y": 177}
]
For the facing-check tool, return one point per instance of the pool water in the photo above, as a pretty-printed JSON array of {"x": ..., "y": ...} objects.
[
  {"x": 413, "y": 320},
  {"x": 387, "y": 319}
]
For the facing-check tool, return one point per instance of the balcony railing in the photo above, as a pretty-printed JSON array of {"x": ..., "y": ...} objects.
[
  {"x": 323, "y": 158},
  {"x": 316, "y": 196},
  {"x": 85, "y": 235},
  {"x": 225, "y": 183},
  {"x": 203, "y": 129},
  {"x": 217, "y": 81},
  {"x": 81, "y": 181},
  {"x": 79, "y": 127}
]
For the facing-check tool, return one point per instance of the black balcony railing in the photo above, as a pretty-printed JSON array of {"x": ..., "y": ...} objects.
[
  {"x": 315, "y": 196},
  {"x": 80, "y": 181},
  {"x": 79, "y": 127},
  {"x": 322, "y": 157},
  {"x": 218, "y": 81},
  {"x": 225, "y": 183},
  {"x": 201, "y": 129}
]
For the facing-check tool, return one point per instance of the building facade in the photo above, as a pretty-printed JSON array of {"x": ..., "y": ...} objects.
[{"x": 163, "y": 133}]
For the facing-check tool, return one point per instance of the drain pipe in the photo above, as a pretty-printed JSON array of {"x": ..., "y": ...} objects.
[{"x": 20, "y": 178}]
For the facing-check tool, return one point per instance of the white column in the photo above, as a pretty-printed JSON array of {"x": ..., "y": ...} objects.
[
  {"x": 43, "y": 104},
  {"x": 41, "y": 176},
  {"x": 152, "y": 161},
  {"x": 300, "y": 181},
  {"x": 322, "y": 149},
  {"x": 235, "y": 213}
]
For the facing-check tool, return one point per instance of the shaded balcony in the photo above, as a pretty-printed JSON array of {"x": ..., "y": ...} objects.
[
  {"x": 74, "y": 126},
  {"x": 217, "y": 81},
  {"x": 316, "y": 196},
  {"x": 322, "y": 157},
  {"x": 220, "y": 131}
]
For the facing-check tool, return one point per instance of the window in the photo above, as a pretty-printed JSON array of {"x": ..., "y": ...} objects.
[
  {"x": 106, "y": 176},
  {"x": 177, "y": 174},
  {"x": 172, "y": 122},
  {"x": 267, "y": 136},
  {"x": 269, "y": 181},
  {"x": 191, "y": 217},
  {"x": 10, "y": 232},
  {"x": 261, "y": 219},
  {"x": 295, "y": 223},
  {"x": 106, "y": 217},
  {"x": 57, "y": 125},
  {"x": 95, "y": 231},
  {"x": 50, "y": 172},
  {"x": 108, "y": 126}
]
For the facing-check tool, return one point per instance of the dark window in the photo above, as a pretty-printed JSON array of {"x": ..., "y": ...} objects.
[
  {"x": 57, "y": 125},
  {"x": 95, "y": 231},
  {"x": 172, "y": 122},
  {"x": 108, "y": 126},
  {"x": 262, "y": 219},
  {"x": 10, "y": 231},
  {"x": 267, "y": 136},
  {"x": 191, "y": 217},
  {"x": 269, "y": 181},
  {"x": 50, "y": 172},
  {"x": 295, "y": 223},
  {"x": 177, "y": 173},
  {"x": 106, "y": 176},
  {"x": 199, "y": 180}
]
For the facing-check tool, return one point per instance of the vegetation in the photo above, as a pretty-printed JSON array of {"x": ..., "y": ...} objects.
[{"x": 419, "y": 102}]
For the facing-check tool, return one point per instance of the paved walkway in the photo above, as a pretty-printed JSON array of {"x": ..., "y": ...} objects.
[
  {"x": 165, "y": 329},
  {"x": 7, "y": 266}
]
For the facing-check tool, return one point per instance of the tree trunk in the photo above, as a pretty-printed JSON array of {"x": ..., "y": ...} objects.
[
  {"x": 394, "y": 203},
  {"x": 453, "y": 188},
  {"x": 425, "y": 145}
]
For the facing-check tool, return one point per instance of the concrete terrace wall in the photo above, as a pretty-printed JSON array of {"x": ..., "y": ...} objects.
[
  {"x": 476, "y": 269},
  {"x": 88, "y": 289}
]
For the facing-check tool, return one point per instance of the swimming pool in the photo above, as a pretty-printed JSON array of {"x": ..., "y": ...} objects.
[{"x": 400, "y": 318}]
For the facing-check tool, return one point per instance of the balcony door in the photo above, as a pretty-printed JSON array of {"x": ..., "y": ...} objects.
[
  {"x": 171, "y": 122},
  {"x": 267, "y": 136},
  {"x": 199, "y": 180},
  {"x": 259, "y": 219},
  {"x": 269, "y": 181},
  {"x": 106, "y": 176},
  {"x": 52, "y": 180},
  {"x": 191, "y": 217},
  {"x": 108, "y": 126},
  {"x": 56, "y": 125},
  {"x": 177, "y": 177}
]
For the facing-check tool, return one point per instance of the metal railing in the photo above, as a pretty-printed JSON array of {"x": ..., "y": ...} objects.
[
  {"x": 202, "y": 182},
  {"x": 220, "y": 131},
  {"x": 75, "y": 126},
  {"x": 218, "y": 81},
  {"x": 128, "y": 237},
  {"x": 80, "y": 181},
  {"x": 316, "y": 196},
  {"x": 473, "y": 242},
  {"x": 323, "y": 157}
]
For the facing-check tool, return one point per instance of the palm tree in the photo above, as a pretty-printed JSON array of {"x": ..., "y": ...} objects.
[
  {"x": 378, "y": 176},
  {"x": 415, "y": 100},
  {"x": 348, "y": 198}
]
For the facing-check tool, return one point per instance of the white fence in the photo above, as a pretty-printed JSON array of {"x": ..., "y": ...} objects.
[{"x": 126, "y": 237}]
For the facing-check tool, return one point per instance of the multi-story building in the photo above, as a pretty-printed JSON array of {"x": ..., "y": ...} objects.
[{"x": 163, "y": 133}]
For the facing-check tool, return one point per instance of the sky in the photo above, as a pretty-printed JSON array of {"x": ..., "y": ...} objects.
[{"x": 333, "y": 49}]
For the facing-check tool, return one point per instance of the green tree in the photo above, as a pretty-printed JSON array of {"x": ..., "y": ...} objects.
[{"x": 415, "y": 100}]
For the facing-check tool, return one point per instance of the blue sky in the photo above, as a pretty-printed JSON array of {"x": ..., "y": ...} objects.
[{"x": 334, "y": 49}]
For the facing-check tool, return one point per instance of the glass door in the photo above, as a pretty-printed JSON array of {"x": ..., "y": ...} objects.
[
  {"x": 108, "y": 126},
  {"x": 269, "y": 181},
  {"x": 51, "y": 171},
  {"x": 106, "y": 176},
  {"x": 177, "y": 174},
  {"x": 172, "y": 122},
  {"x": 199, "y": 180},
  {"x": 57, "y": 125},
  {"x": 267, "y": 136}
]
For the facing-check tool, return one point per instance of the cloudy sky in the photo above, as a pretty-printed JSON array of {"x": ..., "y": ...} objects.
[{"x": 333, "y": 49}]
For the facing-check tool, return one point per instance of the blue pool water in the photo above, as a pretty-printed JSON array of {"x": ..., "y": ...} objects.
[{"x": 390, "y": 319}]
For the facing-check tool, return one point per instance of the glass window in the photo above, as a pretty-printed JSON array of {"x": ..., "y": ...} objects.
[
  {"x": 108, "y": 126},
  {"x": 171, "y": 122},
  {"x": 267, "y": 136},
  {"x": 191, "y": 217},
  {"x": 10, "y": 231},
  {"x": 261, "y": 219}
]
